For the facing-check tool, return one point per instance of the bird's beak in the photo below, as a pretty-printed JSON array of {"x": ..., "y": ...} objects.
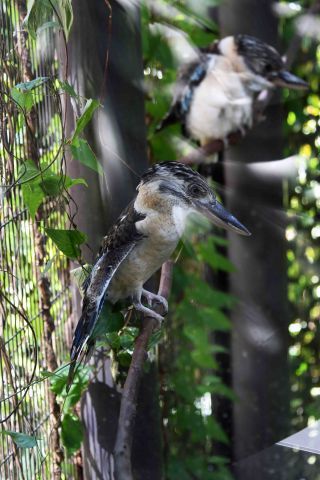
[
  {"x": 287, "y": 79},
  {"x": 218, "y": 215}
]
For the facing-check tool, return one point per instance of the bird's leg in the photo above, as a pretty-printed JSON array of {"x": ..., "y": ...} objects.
[
  {"x": 243, "y": 130},
  {"x": 226, "y": 143},
  {"x": 136, "y": 302},
  {"x": 154, "y": 299}
]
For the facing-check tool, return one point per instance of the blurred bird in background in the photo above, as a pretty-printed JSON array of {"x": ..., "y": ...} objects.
[
  {"x": 215, "y": 94},
  {"x": 142, "y": 239}
]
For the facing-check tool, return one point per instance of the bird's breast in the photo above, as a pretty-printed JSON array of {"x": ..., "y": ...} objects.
[
  {"x": 161, "y": 238},
  {"x": 221, "y": 104}
]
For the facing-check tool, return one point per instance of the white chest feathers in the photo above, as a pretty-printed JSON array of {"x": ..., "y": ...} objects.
[{"x": 221, "y": 103}]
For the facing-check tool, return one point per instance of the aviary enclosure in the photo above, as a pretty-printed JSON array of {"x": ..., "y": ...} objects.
[{"x": 234, "y": 369}]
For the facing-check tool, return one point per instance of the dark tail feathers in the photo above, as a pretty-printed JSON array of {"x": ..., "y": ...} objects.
[{"x": 82, "y": 344}]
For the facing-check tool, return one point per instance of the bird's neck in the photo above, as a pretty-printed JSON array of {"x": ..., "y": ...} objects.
[{"x": 164, "y": 219}]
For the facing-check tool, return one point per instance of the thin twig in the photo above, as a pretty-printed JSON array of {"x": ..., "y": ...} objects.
[{"x": 122, "y": 451}]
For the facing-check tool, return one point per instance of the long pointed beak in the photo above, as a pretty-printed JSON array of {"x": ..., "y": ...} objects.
[
  {"x": 218, "y": 215},
  {"x": 287, "y": 79}
]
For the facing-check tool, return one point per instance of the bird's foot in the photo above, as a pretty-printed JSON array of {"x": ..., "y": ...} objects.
[
  {"x": 243, "y": 129},
  {"x": 154, "y": 299},
  {"x": 148, "y": 313},
  {"x": 226, "y": 143}
]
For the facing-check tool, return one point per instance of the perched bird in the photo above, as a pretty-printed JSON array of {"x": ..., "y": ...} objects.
[
  {"x": 141, "y": 240},
  {"x": 215, "y": 94}
]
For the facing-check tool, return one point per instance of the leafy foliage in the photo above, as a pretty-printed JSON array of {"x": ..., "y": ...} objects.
[
  {"x": 71, "y": 433},
  {"x": 82, "y": 152},
  {"x": 71, "y": 426},
  {"x": 38, "y": 184},
  {"x": 68, "y": 241},
  {"x": 89, "y": 108},
  {"x": 48, "y": 14},
  {"x": 303, "y": 235}
]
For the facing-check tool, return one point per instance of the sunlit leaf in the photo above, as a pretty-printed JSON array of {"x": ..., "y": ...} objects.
[
  {"x": 85, "y": 117},
  {"x": 33, "y": 196},
  {"x": 28, "y": 86},
  {"x": 24, "y": 100},
  {"x": 66, "y": 87},
  {"x": 82, "y": 152},
  {"x": 67, "y": 241}
]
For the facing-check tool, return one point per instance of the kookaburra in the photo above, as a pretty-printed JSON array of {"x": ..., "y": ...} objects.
[
  {"x": 143, "y": 238},
  {"x": 215, "y": 94}
]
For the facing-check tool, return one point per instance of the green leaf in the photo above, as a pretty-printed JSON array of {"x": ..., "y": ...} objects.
[
  {"x": 67, "y": 241},
  {"x": 28, "y": 86},
  {"x": 70, "y": 182},
  {"x": 82, "y": 152},
  {"x": 113, "y": 340},
  {"x": 36, "y": 185},
  {"x": 28, "y": 171},
  {"x": 71, "y": 433},
  {"x": 204, "y": 359},
  {"x": 53, "y": 184},
  {"x": 22, "y": 440},
  {"x": 215, "y": 431},
  {"x": 58, "y": 382},
  {"x": 124, "y": 358},
  {"x": 66, "y": 87},
  {"x": 109, "y": 321},
  {"x": 79, "y": 385},
  {"x": 127, "y": 340},
  {"x": 208, "y": 253},
  {"x": 216, "y": 319},
  {"x": 58, "y": 378},
  {"x": 32, "y": 192},
  {"x": 65, "y": 15},
  {"x": 33, "y": 196},
  {"x": 85, "y": 117},
  {"x": 25, "y": 100}
]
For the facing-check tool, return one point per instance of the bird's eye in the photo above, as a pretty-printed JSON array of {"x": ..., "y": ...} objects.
[
  {"x": 196, "y": 190},
  {"x": 268, "y": 68}
]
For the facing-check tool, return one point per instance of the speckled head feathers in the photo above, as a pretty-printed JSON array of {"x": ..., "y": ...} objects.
[
  {"x": 260, "y": 57},
  {"x": 173, "y": 170}
]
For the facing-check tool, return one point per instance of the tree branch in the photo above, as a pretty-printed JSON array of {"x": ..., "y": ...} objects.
[{"x": 122, "y": 450}]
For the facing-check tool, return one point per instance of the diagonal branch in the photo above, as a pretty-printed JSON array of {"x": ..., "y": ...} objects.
[{"x": 122, "y": 451}]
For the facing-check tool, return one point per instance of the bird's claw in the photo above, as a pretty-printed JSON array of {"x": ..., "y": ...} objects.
[
  {"x": 154, "y": 300},
  {"x": 149, "y": 313}
]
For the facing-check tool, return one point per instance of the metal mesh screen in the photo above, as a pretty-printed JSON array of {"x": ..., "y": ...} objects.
[{"x": 35, "y": 299}]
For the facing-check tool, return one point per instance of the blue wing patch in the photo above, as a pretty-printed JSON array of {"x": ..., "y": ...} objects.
[{"x": 196, "y": 77}]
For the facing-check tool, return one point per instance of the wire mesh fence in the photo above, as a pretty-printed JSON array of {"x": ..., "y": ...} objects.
[{"x": 35, "y": 301}]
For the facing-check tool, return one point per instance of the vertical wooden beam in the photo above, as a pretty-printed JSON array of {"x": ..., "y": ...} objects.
[
  {"x": 260, "y": 320},
  {"x": 118, "y": 136}
]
